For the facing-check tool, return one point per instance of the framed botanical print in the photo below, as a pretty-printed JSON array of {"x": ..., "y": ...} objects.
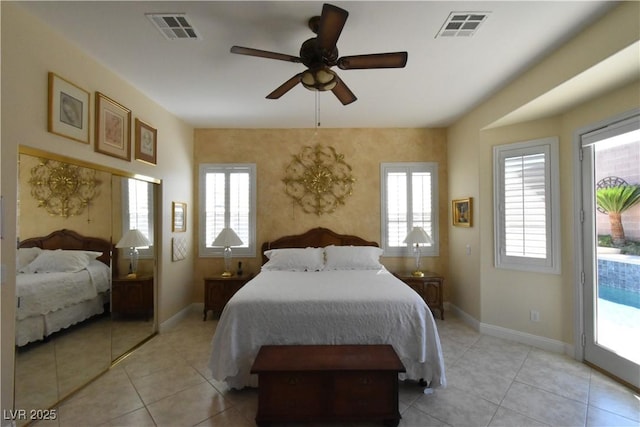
[
  {"x": 462, "y": 212},
  {"x": 146, "y": 142},
  {"x": 179, "y": 217},
  {"x": 68, "y": 109},
  {"x": 113, "y": 128}
]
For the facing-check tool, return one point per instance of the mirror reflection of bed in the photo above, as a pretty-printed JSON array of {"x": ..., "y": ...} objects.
[
  {"x": 63, "y": 291},
  {"x": 57, "y": 353}
]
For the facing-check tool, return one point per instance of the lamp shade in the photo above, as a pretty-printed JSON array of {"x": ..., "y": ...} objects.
[
  {"x": 133, "y": 239},
  {"x": 227, "y": 238},
  {"x": 417, "y": 235}
]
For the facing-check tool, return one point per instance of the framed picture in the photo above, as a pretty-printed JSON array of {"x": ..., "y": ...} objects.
[
  {"x": 179, "y": 217},
  {"x": 113, "y": 128},
  {"x": 68, "y": 109},
  {"x": 462, "y": 210},
  {"x": 179, "y": 248},
  {"x": 146, "y": 142}
]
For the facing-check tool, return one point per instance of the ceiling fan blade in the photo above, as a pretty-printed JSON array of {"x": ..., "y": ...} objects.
[
  {"x": 332, "y": 21},
  {"x": 375, "y": 60},
  {"x": 264, "y": 54},
  {"x": 285, "y": 87},
  {"x": 343, "y": 93}
]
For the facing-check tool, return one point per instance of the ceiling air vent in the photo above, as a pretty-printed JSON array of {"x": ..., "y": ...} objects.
[
  {"x": 173, "y": 26},
  {"x": 462, "y": 24}
]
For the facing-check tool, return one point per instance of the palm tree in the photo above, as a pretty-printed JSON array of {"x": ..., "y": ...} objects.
[{"x": 614, "y": 201}]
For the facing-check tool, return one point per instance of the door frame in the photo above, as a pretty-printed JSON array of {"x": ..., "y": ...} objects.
[{"x": 579, "y": 335}]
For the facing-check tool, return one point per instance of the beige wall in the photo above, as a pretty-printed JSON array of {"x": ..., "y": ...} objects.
[
  {"x": 363, "y": 150},
  {"x": 508, "y": 296},
  {"x": 30, "y": 49},
  {"x": 504, "y": 298}
]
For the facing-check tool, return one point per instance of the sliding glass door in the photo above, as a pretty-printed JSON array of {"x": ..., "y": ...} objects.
[{"x": 610, "y": 214}]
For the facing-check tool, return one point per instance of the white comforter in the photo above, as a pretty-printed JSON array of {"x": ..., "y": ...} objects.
[
  {"x": 327, "y": 307},
  {"x": 47, "y": 292}
]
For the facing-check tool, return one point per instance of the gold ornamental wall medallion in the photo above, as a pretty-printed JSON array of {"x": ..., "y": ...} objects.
[
  {"x": 63, "y": 189},
  {"x": 318, "y": 179}
]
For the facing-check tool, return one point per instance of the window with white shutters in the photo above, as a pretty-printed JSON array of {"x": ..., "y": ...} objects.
[
  {"x": 137, "y": 200},
  {"x": 526, "y": 206},
  {"x": 408, "y": 199},
  {"x": 227, "y": 199}
]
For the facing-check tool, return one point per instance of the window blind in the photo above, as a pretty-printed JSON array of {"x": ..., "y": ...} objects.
[
  {"x": 408, "y": 198},
  {"x": 138, "y": 201},
  {"x": 227, "y": 205},
  {"x": 525, "y": 206},
  {"x": 227, "y": 199}
]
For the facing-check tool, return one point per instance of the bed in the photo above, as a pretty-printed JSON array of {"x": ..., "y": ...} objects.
[
  {"x": 352, "y": 299},
  {"x": 63, "y": 278}
]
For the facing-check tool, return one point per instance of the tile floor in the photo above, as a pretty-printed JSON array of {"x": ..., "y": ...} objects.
[
  {"x": 46, "y": 371},
  {"x": 492, "y": 382}
]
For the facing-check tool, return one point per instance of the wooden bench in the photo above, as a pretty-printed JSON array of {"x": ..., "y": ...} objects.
[{"x": 327, "y": 383}]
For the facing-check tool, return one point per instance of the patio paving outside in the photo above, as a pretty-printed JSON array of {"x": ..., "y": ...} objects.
[
  {"x": 618, "y": 323},
  {"x": 618, "y": 327}
]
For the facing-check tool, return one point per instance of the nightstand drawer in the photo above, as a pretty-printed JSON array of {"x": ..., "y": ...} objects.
[
  {"x": 132, "y": 296},
  {"x": 219, "y": 290},
  {"x": 429, "y": 287}
]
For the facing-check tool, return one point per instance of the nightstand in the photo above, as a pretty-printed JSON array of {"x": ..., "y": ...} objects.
[
  {"x": 219, "y": 290},
  {"x": 429, "y": 287},
  {"x": 131, "y": 295}
]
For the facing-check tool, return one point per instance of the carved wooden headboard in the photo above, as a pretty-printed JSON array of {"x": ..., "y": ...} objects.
[
  {"x": 316, "y": 238},
  {"x": 70, "y": 240}
]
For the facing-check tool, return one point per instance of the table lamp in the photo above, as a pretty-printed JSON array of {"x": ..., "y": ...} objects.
[
  {"x": 133, "y": 239},
  {"x": 226, "y": 239},
  {"x": 415, "y": 237}
]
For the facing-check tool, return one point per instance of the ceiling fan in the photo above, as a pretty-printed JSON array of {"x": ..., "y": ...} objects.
[{"x": 320, "y": 53}]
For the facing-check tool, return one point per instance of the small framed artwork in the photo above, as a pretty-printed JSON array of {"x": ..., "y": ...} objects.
[
  {"x": 68, "y": 109},
  {"x": 179, "y": 246},
  {"x": 146, "y": 142},
  {"x": 179, "y": 217},
  {"x": 113, "y": 128},
  {"x": 462, "y": 211}
]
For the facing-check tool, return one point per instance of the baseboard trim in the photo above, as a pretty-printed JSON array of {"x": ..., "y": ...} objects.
[
  {"x": 543, "y": 343},
  {"x": 176, "y": 318}
]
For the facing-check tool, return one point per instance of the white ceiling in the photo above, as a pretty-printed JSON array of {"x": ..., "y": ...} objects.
[{"x": 204, "y": 84}]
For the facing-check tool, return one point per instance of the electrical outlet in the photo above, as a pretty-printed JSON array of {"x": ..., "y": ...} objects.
[{"x": 534, "y": 316}]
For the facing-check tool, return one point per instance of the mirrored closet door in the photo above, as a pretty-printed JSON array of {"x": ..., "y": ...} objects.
[{"x": 81, "y": 307}]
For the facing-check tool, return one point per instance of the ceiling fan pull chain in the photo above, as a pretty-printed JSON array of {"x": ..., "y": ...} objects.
[{"x": 317, "y": 110}]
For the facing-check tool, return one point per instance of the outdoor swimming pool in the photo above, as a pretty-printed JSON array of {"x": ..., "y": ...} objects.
[
  {"x": 619, "y": 296},
  {"x": 619, "y": 279}
]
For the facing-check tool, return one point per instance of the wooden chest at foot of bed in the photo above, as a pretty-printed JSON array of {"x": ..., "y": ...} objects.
[{"x": 327, "y": 383}]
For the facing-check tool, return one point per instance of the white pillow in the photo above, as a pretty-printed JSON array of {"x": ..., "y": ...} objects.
[
  {"x": 25, "y": 256},
  {"x": 90, "y": 254},
  {"x": 295, "y": 259},
  {"x": 352, "y": 258},
  {"x": 58, "y": 261}
]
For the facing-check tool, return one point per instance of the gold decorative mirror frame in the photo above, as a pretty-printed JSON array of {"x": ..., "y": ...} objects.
[{"x": 318, "y": 179}]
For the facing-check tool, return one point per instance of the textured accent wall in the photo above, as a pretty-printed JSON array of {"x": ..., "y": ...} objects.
[{"x": 363, "y": 149}]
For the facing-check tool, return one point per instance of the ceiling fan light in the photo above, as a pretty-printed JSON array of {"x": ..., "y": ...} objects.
[
  {"x": 320, "y": 79},
  {"x": 330, "y": 85},
  {"x": 307, "y": 78},
  {"x": 325, "y": 76}
]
